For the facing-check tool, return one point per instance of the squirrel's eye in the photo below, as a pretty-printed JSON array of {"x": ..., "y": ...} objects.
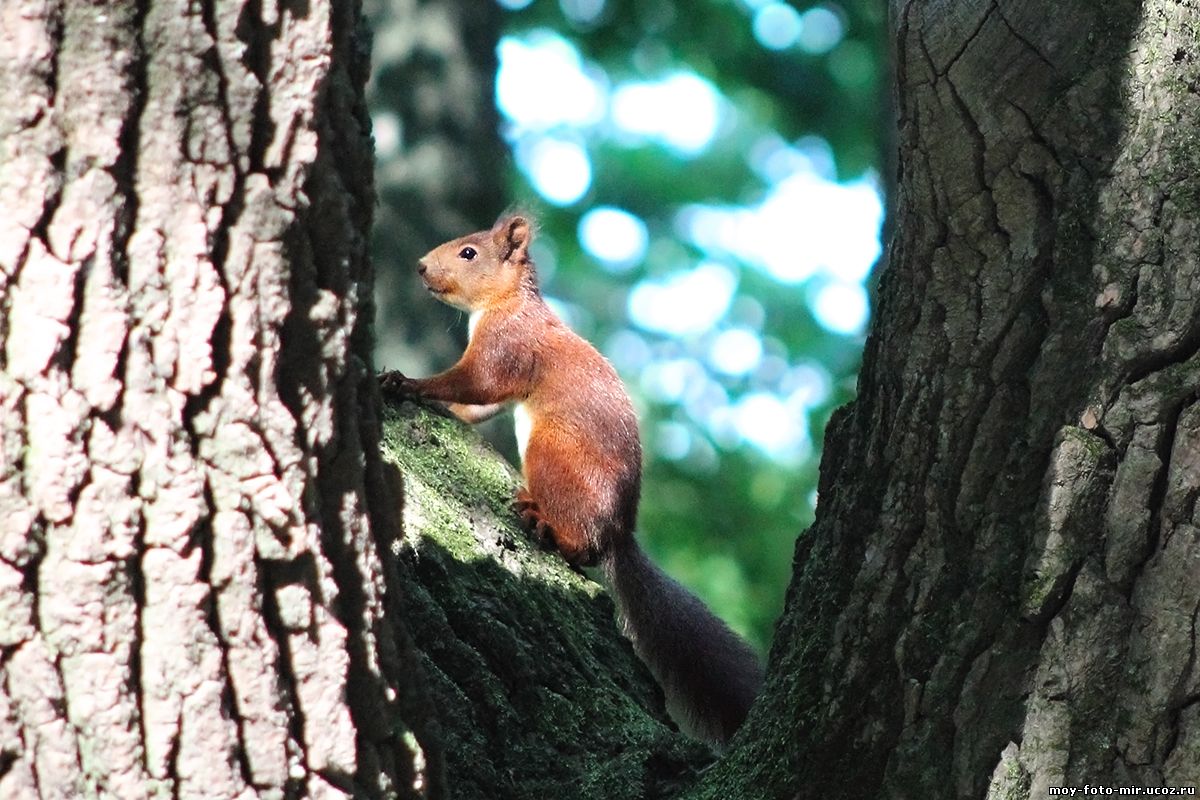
[{"x": 467, "y": 253}]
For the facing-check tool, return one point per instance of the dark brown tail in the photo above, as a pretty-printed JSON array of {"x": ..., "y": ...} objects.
[{"x": 709, "y": 675}]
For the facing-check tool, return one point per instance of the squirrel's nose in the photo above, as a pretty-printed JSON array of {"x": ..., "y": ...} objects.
[{"x": 421, "y": 267}]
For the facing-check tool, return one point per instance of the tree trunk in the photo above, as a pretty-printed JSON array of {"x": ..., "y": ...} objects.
[
  {"x": 203, "y": 587},
  {"x": 191, "y": 502},
  {"x": 1000, "y": 592}
]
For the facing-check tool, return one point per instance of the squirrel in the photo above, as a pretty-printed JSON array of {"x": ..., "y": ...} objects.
[{"x": 582, "y": 464}]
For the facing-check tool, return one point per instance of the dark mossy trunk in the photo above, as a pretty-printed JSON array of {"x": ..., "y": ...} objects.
[
  {"x": 537, "y": 693},
  {"x": 1000, "y": 592}
]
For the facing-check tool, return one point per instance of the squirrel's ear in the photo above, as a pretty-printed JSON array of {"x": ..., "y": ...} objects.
[{"x": 513, "y": 235}]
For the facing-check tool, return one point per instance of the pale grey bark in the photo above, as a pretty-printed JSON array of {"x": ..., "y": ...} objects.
[{"x": 193, "y": 597}]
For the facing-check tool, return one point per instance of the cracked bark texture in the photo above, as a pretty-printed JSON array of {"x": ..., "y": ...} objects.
[
  {"x": 1000, "y": 591},
  {"x": 192, "y": 511}
]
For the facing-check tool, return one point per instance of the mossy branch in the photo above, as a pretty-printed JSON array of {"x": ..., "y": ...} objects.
[{"x": 538, "y": 694}]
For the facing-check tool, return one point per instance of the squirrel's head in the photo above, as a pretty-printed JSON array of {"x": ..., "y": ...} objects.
[{"x": 480, "y": 270}]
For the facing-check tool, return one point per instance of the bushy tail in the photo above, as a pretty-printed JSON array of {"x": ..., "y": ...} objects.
[{"x": 708, "y": 674}]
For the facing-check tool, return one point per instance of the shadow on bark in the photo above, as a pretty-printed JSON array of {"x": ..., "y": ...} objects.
[{"x": 537, "y": 693}]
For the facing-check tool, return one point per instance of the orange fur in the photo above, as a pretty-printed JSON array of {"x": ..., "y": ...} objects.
[
  {"x": 582, "y": 464},
  {"x": 583, "y": 461}
]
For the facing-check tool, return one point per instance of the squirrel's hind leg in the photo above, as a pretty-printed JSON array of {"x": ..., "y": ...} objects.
[
  {"x": 572, "y": 546},
  {"x": 531, "y": 518}
]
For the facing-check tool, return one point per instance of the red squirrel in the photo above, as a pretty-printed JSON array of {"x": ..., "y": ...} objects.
[{"x": 582, "y": 464}]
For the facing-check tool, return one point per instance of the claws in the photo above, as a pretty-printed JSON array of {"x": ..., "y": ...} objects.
[
  {"x": 532, "y": 520},
  {"x": 395, "y": 384},
  {"x": 524, "y": 502},
  {"x": 546, "y": 536}
]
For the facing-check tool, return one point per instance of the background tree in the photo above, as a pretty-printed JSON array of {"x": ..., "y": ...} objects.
[{"x": 440, "y": 158}]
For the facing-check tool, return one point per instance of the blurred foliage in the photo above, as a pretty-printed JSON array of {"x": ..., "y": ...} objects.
[
  {"x": 720, "y": 514},
  {"x": 440, "y": 162}
]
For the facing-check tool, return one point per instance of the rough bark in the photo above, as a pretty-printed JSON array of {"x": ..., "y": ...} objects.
[
  {"x": 999, "y": 594},
  {"x": 194, "y": 593},
  {"x": 202, "y": 581},
  {"x": 538, "y": 694}
]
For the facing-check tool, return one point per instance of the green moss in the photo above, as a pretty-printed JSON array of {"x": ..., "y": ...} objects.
[
  {"x": 1037, "y": 592},
  {"x": 1095, "y": 446},
  {"x": 538, "y": 695},
  {"x": 1015, "y": 782}
]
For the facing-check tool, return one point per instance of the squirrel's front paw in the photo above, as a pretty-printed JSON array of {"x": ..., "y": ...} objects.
[{"x": 395, "y": 384}]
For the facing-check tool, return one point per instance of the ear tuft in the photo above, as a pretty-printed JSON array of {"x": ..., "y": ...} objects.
[{"x": 513, "y": 233}]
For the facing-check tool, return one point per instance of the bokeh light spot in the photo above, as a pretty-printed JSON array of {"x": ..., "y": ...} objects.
[
  {"x": 841, "y": 307},
  {"x": 559, "y": 169},
  {"x": 668, "y": 380},
  {"x": 615, "y": 237},
  {"x": 543, "y": 83},
  {"x": 683, "y": 302},
  {"x": 806, "y": 386},
  {"x": 777, "y": 26},
  {"x": 672, "y": 440},
  {"x": 821, "y": 30},
  {"x": 682, "y": 111},
  {"x": 806, "y": 225},
  {"x": 386, "y": 128},
  {"x": 764, "y": 421},
  {"x": 581, "y": 11},
  {"x": 628, "y": 351},
  {"x": 737, "y": 351}
]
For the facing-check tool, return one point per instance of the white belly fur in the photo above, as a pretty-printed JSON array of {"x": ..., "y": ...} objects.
[
  {"x": 522, "y": 422},
  {"x": 522, "y": 427}
]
